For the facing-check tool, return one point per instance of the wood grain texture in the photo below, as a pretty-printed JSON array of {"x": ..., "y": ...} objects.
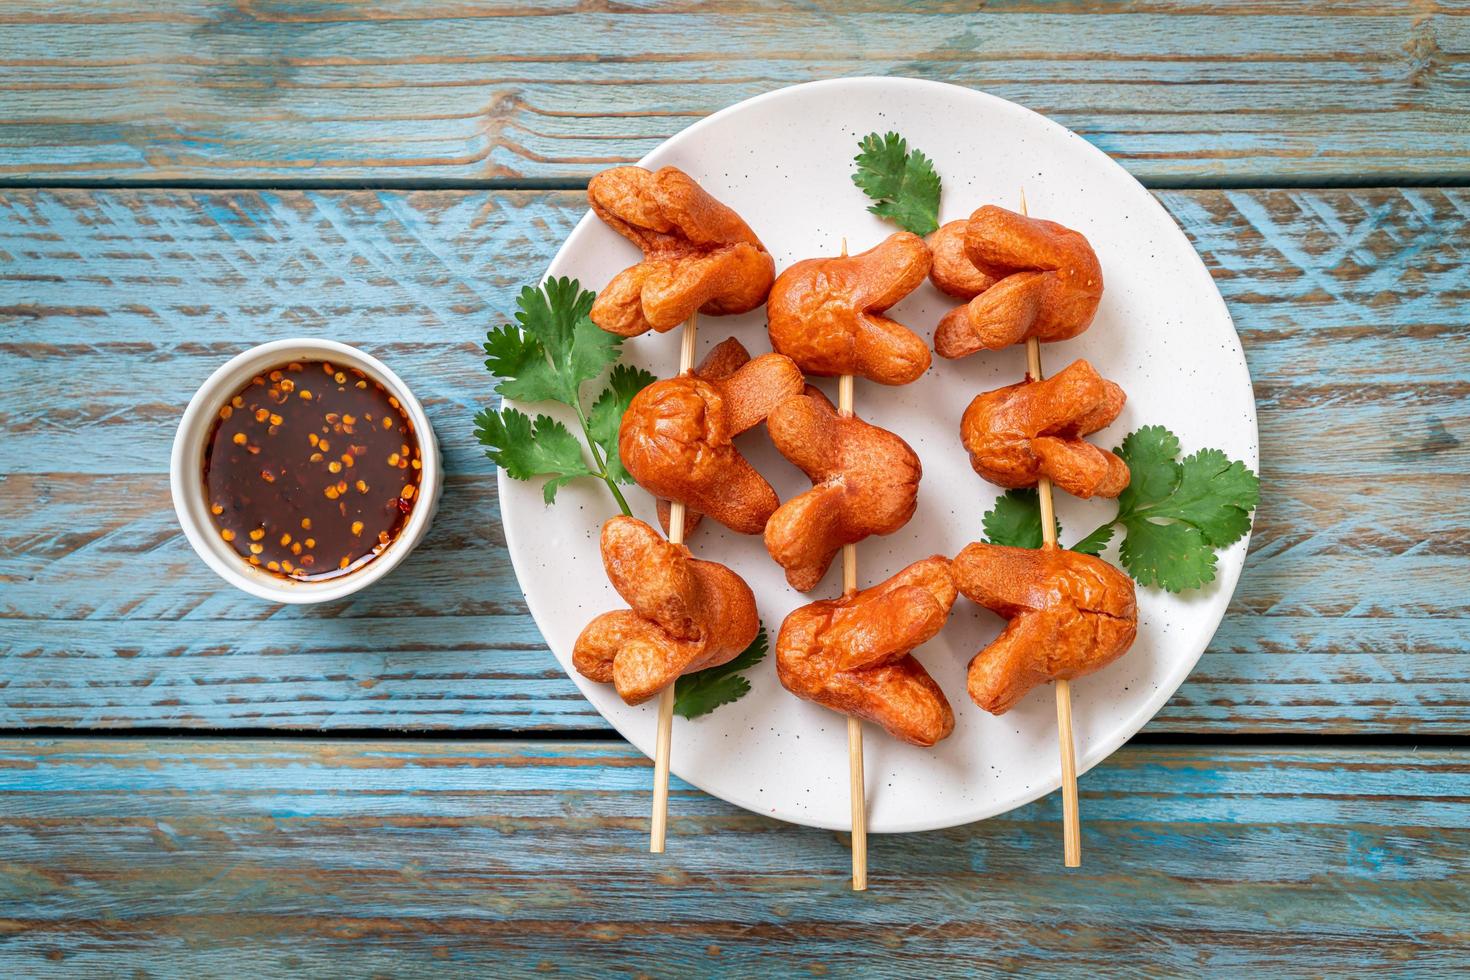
[
  {"x": 1351, "y": 615},
  {"x": 188, "y": 858},
  {"x": 1262, "y": 91}
]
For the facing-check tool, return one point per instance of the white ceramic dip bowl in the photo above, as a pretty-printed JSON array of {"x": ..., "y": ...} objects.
[{"x": 186, "y": 469}]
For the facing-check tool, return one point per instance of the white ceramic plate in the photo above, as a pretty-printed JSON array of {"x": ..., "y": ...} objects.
[{"x": 783, "y": 161}]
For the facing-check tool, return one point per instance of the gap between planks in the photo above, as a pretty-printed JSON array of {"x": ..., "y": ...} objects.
[{"x": 1260, "y": 740}]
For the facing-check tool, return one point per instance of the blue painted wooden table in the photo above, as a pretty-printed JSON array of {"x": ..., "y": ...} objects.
[{"x": 194, "y": 784}]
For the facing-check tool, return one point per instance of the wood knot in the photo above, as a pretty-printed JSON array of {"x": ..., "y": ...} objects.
[{"x": 1423, "y": 50}]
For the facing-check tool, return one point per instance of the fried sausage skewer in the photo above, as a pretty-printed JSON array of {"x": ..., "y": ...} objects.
[
  {"x": 1035, "y": 281},
  {"x": 856, "y": 789},
  {"x": 1019, "y": 433},
  {"x": 865, "y": 481},
  {"x": 1071, "y": 817},
  {"x": 677, "y": 436},
  {"x": 684, "y": 614},
  {"x": 853, "y": 654},
  {"x": 1031, "y": 280},
  {"x": 827, "y": 314},
  {"x": 698, "y": 256},
  {"x": 857, "y": 792},
  {"x": 658, "y": 825},
  {"x": 1069, "y": 614}
]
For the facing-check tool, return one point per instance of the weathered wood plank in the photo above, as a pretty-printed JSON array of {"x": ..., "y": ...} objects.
[
  {"x": 1351, "y": 616},
  {"x": 189, "y": 90},
  {"x": 87, "y": 642},
  {"x": 1351, "y": 304},
  {"x": 358, "y": 858}
]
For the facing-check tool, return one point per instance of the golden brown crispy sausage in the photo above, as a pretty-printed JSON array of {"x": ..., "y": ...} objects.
[
  {"x": 853, "y": 654},
  {"x": 1048, "y": 284},
  {"x": 676, "y": 436},
  {"x": 723, "y": 360},
  {"x": 865, "y": 480},
  {"x": 826, "y": 314},
  {"x": 952, "y": 271},
  {"x": 697, "y": 253},
  {"x": 1032, "y": 429},
  {"x": 1070, "y": 614},
  {"x": 686, "y": 614}
]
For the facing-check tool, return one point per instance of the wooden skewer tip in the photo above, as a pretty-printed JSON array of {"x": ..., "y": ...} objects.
[{"x": 859, "y": 804}]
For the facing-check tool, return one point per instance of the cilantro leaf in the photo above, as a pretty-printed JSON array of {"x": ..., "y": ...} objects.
[
  {"x": 593, "y": 348},
  {"x": 554, "y": 325},
  {"x": 902, "y": 182},
  {"x": 1095, "y": 542},
  {"x": 1177, "y": 513},
  {"x": 1152, "y": 473},
  {"x": 703, "y": 691},
  {"x": 521, "y": 364},
  {"x": 1174, "y": 557},
  {"x": 551, "y": 350},
  {"x": 607, "y": 414},
  {"x": 526, "y": 449},
  {"x": 1215, "y": 494},
  {"x": 1015, "y": 520}
]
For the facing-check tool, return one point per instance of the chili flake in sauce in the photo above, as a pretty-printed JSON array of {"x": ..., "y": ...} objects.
[{"x": 311, "y": 470}]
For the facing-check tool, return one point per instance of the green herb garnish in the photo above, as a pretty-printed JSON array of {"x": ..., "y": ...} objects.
[
  {"x": 901, "y": 181},
  {"x": 554, "y": 351},
  {"x": 1015, "y": 521},
  {"x": 1095, "y": 542},
  {"x": 1175, "y": 513},
  {"x": 703, "y": 691}
]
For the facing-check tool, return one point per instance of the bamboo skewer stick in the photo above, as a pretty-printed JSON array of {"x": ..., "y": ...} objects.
[
  {"x": 1071, "y": 818},
  {"x": 857, "y": 791},
  {"x": 658, "y": 824}
]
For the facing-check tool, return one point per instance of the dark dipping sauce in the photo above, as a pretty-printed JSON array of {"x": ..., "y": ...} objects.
[{"x": 311, "y": 470}]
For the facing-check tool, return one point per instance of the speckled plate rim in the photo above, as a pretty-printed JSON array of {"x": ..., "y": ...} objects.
[{"x": 1231, "y": 560}]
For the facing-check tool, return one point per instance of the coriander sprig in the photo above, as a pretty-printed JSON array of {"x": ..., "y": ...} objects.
[
  {"x": 1015, "y": 520},
  {"x": 548, "y": 356},
  {"x": 902, "y": 182},
  {"x": 1175, "y": 513},
  {"x": 705, "y": 690}
]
